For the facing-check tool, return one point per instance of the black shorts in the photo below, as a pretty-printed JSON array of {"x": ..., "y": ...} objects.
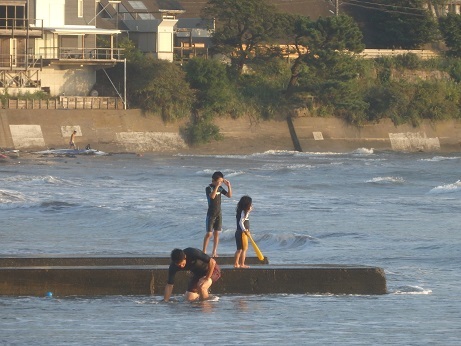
[
  {"x": 213, "y": 223},
  {"x": 238, "y": 239},
  {"x": 192, "y": 287},
  {"x": 241, "y": 240}
]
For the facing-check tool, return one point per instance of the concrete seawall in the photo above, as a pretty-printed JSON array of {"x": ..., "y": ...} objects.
[
  {"x": 94, "y": 277},
  {"x": 63, "y": 261},
  {"x": 133, "y": 131}
]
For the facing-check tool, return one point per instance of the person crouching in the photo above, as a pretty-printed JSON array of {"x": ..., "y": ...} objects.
[{"x": 205, "y": 272}]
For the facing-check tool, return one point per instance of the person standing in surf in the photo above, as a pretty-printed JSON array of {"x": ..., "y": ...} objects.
[
  {"x": 205, "y": 272},
  {"x": 72, "y": 140},
  {"x": 244, "y": 207},
  {"x": 214, "y": 213}
]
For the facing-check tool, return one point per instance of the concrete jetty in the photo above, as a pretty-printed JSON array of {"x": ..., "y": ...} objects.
[
  {"x": 97, "y": 276},
  {"x": 71, "y": 260}
]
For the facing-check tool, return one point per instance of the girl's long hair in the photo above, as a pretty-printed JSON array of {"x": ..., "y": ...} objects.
[{"x": 244, "y": 204}]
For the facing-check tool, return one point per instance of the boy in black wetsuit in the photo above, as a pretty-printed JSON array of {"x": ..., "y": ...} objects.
[
  {"x": 214, "y": 214},
  {"x": 204, "y": 269}
]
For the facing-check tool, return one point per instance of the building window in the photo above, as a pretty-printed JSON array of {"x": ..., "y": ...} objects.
[
  {"x": 12, "y": 17},
  {"x": 146, "y": 16},
  {"x": 80, "y": 8},
  {"x": 137, "y": 5}
]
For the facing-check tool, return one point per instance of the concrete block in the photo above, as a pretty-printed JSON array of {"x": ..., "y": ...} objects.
[
  {"x": 151, "y": 280},
  {"x": 27, "y": 136}
]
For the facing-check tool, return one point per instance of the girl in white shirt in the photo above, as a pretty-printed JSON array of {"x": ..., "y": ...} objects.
[{"x": 244, "y": 206}]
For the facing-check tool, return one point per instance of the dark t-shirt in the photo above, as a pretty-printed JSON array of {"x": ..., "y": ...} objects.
[
  {"x": 214, "y": 205},
  {"x": 196, "y": 261}
]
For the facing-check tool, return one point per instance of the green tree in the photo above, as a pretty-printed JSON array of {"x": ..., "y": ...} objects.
[
  {"x": 436, "y": 100},
  {"x": 215, "y": 95},
  {"x": 134, "y": 58},
  {"x": 438, "y": 7},
  {"x": 159, "y": 86},
  {"x": 391, "y": 100},
  {"x": 214, "y": 90},
  {"x": 262, "y": 89},
  {"x": 332, "y": 77},
  {"x": 316, "y": 42},
  {"x": 241, "y": 25},
  {"x": 299, "y": 28},
  {"x": 450, "y": 27},
  {"x": 130, "y": 52},
  {"x": 405, "y": 24}
]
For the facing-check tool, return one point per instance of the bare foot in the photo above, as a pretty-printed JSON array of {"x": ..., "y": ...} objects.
[
  {"x": 236, "y": 265},
  {"x": 214, "y": 255},
  {"x": 244, "y": 266}
]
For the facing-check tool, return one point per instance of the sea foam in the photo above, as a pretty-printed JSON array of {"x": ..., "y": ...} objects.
[{"x": 447, "y": 188}]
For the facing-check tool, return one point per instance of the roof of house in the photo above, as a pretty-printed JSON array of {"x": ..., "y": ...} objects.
[{"x": 193, "y": 8}]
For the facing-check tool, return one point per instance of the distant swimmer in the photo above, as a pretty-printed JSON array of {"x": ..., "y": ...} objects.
[
  {"x": 214, "y": 213},
  {"x": 205, "y": 272},
  {"x": 72, "y": 140},
  {"x": 244, "y": 207}
]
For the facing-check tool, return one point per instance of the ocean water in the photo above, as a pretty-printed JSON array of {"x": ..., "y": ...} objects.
[{"x": 398, "y": 211}]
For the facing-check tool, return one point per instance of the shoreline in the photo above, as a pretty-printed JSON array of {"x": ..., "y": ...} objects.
[{"x": 131, "y": 131}]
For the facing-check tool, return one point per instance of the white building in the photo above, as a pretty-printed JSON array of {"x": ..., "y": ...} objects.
[{"x": 52, "y": 45}]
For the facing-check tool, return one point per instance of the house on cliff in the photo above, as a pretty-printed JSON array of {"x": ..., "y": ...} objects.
[
  {"x": 168, "y": 30},
  {"x": 58, "y": 45},
  {"x": 53, "y": 46},
  {"x": 174, "y": 30}
]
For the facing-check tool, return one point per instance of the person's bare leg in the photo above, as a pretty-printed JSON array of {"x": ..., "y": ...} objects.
[
  {"x": 237, "y": 258},
  {"x": 244, "y": 251},
  {"x": 204, "y": 286},
  {"x": 242, "y": 259},
  {"x": 215, "y": 243},
  {"x": 191, "y": 296},
  {"x": 206, "y": 239}
]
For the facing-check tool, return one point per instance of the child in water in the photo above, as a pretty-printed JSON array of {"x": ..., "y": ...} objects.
[{"x": 244, "y": 206}]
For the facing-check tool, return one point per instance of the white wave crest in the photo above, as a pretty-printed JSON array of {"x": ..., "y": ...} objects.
[
  {"x": 295, "y": 153},
  {"x": 364, "y": 151},
  {"x": 412, "y": 290},
  {"x": 273, "y": 241},
  {"x": 227, "y": 173},
  {"x": 441, "y": 158},
  {"x": 8, "y": 197},
  {"x": 319, "y": 153},
  {"x": 38, "y": 179},
  {"x": 386, "y": 180},
  {"x": 284, "y": 240},
  {"x": 232, "y": 173},
  {"x": 286, "y": 167},
  {"x": 447, "y": 188}
]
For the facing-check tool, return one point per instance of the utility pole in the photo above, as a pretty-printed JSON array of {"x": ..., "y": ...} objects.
[{"x": 124, "y": 83}]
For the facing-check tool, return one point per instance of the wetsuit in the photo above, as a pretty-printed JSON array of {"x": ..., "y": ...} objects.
[
  {"x": 243, "y": 223},
  {"x": 197, "y": 263},
  {"x": 214, "y": 214}
]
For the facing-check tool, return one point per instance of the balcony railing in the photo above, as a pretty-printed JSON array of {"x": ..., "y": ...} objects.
[
  {"x": 64, "y": 55},
  {"x": 186, "y": 51},
  {"x": 79, "y": 54},
  {"x": 21, "y": 26},
  {"x": 19, "y": 79},
  {"x": 20, "y": 61}
]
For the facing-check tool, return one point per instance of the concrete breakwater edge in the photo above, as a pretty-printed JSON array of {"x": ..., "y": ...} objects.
[
  {"x": 119, "y": 131},
  {"x": 80, "y": 276}
]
